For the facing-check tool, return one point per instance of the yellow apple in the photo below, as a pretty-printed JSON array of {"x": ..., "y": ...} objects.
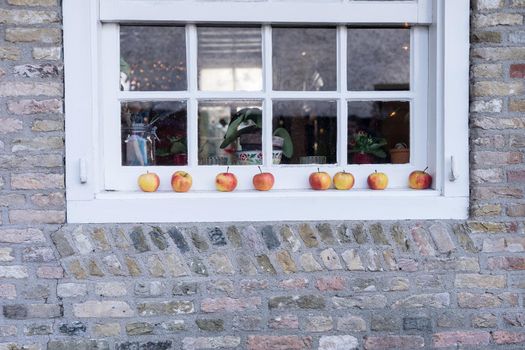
[
  {"x": 225, "y": 182},
  {"x": 320, "y": 180},
  {"x": 343, "y": 180},
  {"x": 149, "y": 182},
  {"x": 377, "y": 181},
  {"x": 181, "y": 181}
]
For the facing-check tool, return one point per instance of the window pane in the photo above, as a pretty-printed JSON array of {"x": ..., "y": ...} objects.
[
  {"x": 312, "y": 126},
  {"x": 154, "y": 133},
  {"x": 378, "y": 132},
  {"x": 241, "y": 121},
  {"x": 304, "y": 59},
  {"x": 230, "y": 59},
  {"x": 152, "y": 58},
  {"x": 379, "y": 59}
]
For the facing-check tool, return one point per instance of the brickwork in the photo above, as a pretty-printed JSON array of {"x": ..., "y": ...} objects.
[{"x": 335, "y": 285}]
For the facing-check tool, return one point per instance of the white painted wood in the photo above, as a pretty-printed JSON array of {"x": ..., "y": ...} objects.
[
  {"x": 342, "y": 105},
  {"x": 456, "y": 94},
  {"x": 269, "y": 206},
  {"x": 320, "y": 12},
  {"x": 419, "y": 86},
  {"x": 193, "y": 87},
  {"x": 80, "y": 84},
  {"x": 91, "y": 99},
  {"x": 267, "y": 61}
]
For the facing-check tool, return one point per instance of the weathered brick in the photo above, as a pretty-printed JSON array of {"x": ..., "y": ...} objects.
[
  {"x": 318, "y": 323},
  {"x": 485, "y": 210},
  {"x": 50, "y": 272},
  {"x": 439, "y": 300},
  {"x": 40, "y": 35},
  {"x": 487, "y": 70},
  {"x": 481, "y": 176},
  {"x": 224, "y": 342},
  {"x": 106, "y": 329},
  {"x": 47, "y": 125},
  {"x": 499, "y": 54},
  {"x": 351, "y": 324},
  {"x": 294, "y": 283},
  {"x": 10, "y": 125},
  {"x": 394, "y": 342},
  {"x": 37, "y": 216},
  {"x": 517, "y": 71},
  {"x": 97, "y": 309},
  {"x": 14, "y": 89},
  {"x": 14, "y": 271},
  {"x": 284, "y": 322},
  {"x": 338, "y": 342},
  {"x": 111, "y": 289},
  {"x": 490, "y": 106},
  {"x": 485, "y": 320},
  {"x": 31, "y": 235},
  {"x": 29, "y": 311},
  {"x": 221, "y": 264},
  {"x": 421, "y": 239},
  {"x": 27, "y": 17},
  {"x": 480, "y": 281},
  {"x": 516, "y": 210},
  {"x": 47, "y": 53},
  {"x": 32, "y": 2},
  {"x": 78, "y": 344},
  {"x": 506, "y": 337},
  {"x": 376, "y": 301},
  {"x": 506, "y": 263},
  {"x": 330, "y": 283},
  {"x": 290, "y": 342},
  {"x": 385, "y": 323},
  {"x": 7, "y": 291},
  {"x": 481, "y": 5},
  {"x": 292, "y": 302},
  {"x": 477, "y": 301},
  {"x": 460, "y": 339},
  {"x": 498, "y": 19},
  {"x": 38, "y": 144},
  {"x": 487, "y": 158},
  {"x": 331, "y": 259},
  {"x": 485, "y": 37},
  {"x": 37, "y": 181},
  {"x": 227, "y": 304},
  {"x": 11, "y": 53}
]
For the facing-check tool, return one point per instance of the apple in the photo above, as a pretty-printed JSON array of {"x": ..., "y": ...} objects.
[
  {"x": 263, "y": 181},
  {"x": 343, "y": 180},
  {"x": 149, "y": 182},
  {"x": 377, "y": 181},
  {"x": 419, "y": 180},
  {"x": 320, "y": 180},
  {"x": 181, "y": 181},
  {"x": 225, "y": 182}
]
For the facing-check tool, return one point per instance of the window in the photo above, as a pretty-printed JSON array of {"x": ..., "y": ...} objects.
[{"x": 164, "y": 82}]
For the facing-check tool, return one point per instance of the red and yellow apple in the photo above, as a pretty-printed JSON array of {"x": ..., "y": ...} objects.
[
  {"x": 149, "y": 182},
  {"x": 419, "y": 180},
  {"x": 377, "y": 181},
  {"x": 225, "y": 182},
  {"x": 320, "y": 180},
  {"x": 181, "y": 181},
  {"x": 343, "y": 180},
  {"x": 263, "y": 181}
]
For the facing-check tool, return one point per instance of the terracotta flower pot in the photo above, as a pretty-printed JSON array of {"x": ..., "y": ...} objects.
[{"x": 363, "y": 158}]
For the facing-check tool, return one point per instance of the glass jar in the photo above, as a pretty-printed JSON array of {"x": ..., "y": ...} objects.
[{"x": 139, "y": 145}]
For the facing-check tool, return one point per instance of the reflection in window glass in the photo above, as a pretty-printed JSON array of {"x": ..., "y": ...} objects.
[
  {"x": 378, "y": 59},
  {"x": 304, "y": 59},
  {"x": 229, "y": 59},
  {"x": 230, "y": 133},
  {"x": 154, "y": 133},
  {"x": 378, "y": 132},
  {"x": 152, "y": 58},
  {"x": 312, "y": 126}
]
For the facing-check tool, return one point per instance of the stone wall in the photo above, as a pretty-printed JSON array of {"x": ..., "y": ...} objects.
[{"x": 336, "y": 285}]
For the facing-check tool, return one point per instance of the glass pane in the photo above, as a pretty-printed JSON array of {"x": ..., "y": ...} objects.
[
  {"x": 312, "y": 130},
  {"x": 379, "y": 59},
  {"x": 230, "y": 59},
  {"x": 152, "y": 58},
  {"x": 304, "y": 59},
  {"x": 230, "y": 133},
  {"x": 378, "y": 132},
  {"x": 153, "y": 133}
]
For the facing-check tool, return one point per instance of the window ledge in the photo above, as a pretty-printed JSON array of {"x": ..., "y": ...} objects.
[{"x": 160, "y": 207}]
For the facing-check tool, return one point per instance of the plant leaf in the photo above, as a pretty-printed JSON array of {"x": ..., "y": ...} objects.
[
  {"x": 287, "y": 144},
  {"x": 232, "y": 132},
  {"x": 379, "y": 153}
]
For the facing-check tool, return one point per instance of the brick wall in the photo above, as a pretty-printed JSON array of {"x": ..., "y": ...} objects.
[{"x": 336, "y": 285}]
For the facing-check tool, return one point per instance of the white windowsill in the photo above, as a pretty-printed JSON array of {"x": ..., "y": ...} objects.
[{"x": 306, "y": 205}]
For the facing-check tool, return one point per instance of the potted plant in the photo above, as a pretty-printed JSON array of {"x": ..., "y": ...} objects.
[
  {"x": 177, "y": 150},
  {"x": 245, "y": 129},
  {"x": 365, "y": 148}
]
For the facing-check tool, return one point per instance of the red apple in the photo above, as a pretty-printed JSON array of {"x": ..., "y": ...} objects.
[
  {"x": 320, "y": 180},
  {"x": 149, "y": 182},
  {"x": 263, "y": 181},
  {"x": 181, "y": 181},
  {"x": 343, "y": 180},
  {"x": 225, "y": 182},
  {"x": 419, "y": 180},
  {"x": 377, "y": 181}
]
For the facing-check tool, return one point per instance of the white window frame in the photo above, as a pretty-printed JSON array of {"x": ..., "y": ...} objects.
[{"x": 90, "y": 174}]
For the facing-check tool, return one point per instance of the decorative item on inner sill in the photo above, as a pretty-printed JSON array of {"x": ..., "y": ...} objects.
[{"x": 400, "y": 154}]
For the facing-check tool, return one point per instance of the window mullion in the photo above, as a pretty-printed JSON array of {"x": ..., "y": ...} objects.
[
  {"x": 267, "y": 106},
  {"x": 192, "y": 118},
  {"x": 342, "y": 125}
]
